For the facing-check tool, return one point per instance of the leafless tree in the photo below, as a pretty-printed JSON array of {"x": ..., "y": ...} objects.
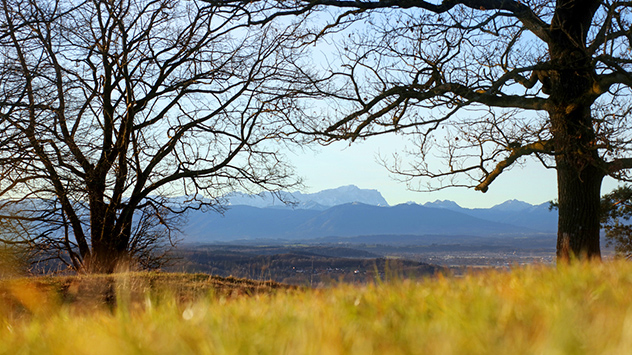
[
  {"x": 108, "y": 108},
  {"x": 484, "y": 84}
]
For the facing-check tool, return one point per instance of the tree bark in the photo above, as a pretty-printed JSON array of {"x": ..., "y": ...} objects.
[
  {"x": 579, "y": 172},
  {"x": 579, "y": 168},
  {"x": 109, "y": 252},
  {"x": 578, "y": 225},
  {"x": 109, "y": 243}
]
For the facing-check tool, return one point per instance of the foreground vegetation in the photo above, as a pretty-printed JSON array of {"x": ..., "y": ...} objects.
[{"x": 537, "y": 309}]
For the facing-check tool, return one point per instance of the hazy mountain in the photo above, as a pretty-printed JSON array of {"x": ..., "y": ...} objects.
[
  {"x": 262, "y": 200},
  {"x": 349, "y": 211},
  {"x": 447, "y": 204},
  {"x": 514, "y": 212},
  {"x": 520, "y": 214},
  {"x": 343, "y": 195},
  {"x": 512, "y": 206},
  {"x": 359, "y": 219},
  {"x": 247, "y": 222},
  {"x": 319, "y": 201}
]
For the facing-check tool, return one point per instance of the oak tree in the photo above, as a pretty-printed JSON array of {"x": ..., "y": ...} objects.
[
  {"x": 108, "y": 109},
  {"x": 484, "y": 84}
]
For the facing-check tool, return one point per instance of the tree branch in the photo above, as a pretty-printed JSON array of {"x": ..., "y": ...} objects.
[
  {"x": 411, "y": 91},
  {"x": 517, "y": 9},
  {"x": 537, "y": 147},
  {"x": 618, "y": 165}
]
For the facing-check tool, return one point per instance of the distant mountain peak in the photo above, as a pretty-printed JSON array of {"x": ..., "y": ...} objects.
[
  {"x": 318, "y": 200},
  {"x": 351, "y": 211},
  {"x": 447, "y": 204},
  {"x": 345, "y": 188},
  {"x": 512, "y": 205},
  {"x": 343, "y": 195}
]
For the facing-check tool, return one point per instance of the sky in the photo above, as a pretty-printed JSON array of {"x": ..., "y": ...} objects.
[{"x": 343, "y": 164}]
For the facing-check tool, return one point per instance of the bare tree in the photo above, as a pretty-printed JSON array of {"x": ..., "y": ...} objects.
[
  {"x": 484, "y": 84},
  {"x": 109, "y": 107}
]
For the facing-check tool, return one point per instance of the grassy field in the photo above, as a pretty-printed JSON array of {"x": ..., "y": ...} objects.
[{"x": 582, "y": 309}]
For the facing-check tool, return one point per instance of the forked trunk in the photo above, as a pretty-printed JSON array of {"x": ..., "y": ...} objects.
[
  {"x": 109, "y": 243},
  {"x": 109, "y": 253}
]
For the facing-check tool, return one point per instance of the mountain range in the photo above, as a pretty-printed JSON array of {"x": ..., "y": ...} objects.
[
  {"x": 314, "y": 201},
  {"x": 349, "y": 211}
]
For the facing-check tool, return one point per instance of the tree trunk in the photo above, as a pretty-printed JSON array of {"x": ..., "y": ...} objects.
[
  {"x": 109, "y": 245},
  {"x": 104, "y": 261},
  {"x": 578, "y": 225},
  {"x": 108, "y": 254},
  {"x": 579, "y": 172}
]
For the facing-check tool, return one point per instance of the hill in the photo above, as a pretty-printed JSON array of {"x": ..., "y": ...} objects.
[{"x": 298, "y": 265}]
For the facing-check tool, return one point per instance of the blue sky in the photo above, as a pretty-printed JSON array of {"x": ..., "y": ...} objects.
[{"x": 342, "y": 164}]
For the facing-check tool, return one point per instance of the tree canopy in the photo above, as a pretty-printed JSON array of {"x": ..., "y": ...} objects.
[
  {"x": 110, "y": 108},
  {"x": 483, "y": 84}
]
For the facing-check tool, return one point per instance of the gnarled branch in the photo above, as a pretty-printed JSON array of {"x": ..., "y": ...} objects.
[{"x": 517, "y": 152}]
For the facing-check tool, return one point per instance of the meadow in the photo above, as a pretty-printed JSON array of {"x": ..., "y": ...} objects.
[{"x": 577, "y": 309}]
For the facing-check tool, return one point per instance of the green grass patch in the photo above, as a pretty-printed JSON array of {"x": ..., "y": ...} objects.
[{"x": 579, "y": 309}]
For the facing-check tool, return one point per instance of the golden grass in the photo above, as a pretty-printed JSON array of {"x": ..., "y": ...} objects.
[{"x": 578, "y": 309}]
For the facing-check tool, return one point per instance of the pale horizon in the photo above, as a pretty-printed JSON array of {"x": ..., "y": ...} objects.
[{"x": 342, "y": 164}]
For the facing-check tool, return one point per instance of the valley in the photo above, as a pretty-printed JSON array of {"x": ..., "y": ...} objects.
[
  {"x": 352, "y": 235},
  {"x": 359, "y": 260}
]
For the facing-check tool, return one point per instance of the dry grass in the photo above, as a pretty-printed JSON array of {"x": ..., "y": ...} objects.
[{"x": 581, "y": 309}]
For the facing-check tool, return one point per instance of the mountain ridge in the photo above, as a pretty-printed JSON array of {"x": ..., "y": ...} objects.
[
  {"x": 338, "y": 213},
  {"x": 353, "y": 219},
  {"x": 320, "y": 200}
]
